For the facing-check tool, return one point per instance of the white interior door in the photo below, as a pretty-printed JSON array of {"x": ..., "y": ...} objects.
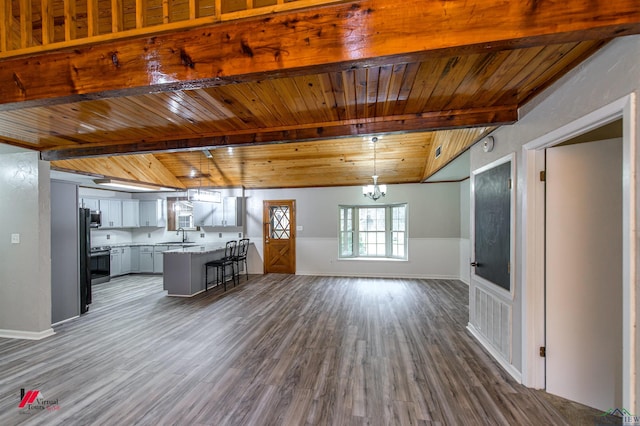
[{"x": 584, "y": 273}]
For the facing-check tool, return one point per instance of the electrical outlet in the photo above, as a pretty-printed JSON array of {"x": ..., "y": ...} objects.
[
  {"x": 202, "y": 235},
  {"x": 108, "y": 237},
  {"x": 148, "y": 234},
  {"x": 15, "y": 238},
  {"x": 239, "y": 234},
  {"x": 220, "y": 235}
]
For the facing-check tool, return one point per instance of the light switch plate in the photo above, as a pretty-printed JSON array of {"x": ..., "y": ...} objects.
[
  {"x": 299, "y": 228},
  {"x": 15, "y": 238}
]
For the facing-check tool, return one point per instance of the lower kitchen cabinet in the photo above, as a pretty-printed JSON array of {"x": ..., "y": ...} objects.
[
  {"x": 135, "y": 259},
  {"x": 125, "y": 260},
  {"x": 116, "y": 262},
  {"x": 146, "y": 259},
  {"x": 157, "y": 258}
]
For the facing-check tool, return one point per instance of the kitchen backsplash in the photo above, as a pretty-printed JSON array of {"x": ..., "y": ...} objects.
[{"x": 105, "y": 237}]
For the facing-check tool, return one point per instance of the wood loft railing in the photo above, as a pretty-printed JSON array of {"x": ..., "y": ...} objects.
[{"x": 36, "y": 26}]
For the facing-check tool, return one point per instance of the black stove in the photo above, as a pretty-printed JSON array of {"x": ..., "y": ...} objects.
[
  {"x": 100, "y": 264},
  {"x": 100, "y": 249}
]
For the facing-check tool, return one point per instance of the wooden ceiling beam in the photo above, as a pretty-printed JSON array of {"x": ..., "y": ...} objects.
[
  {"x": 337, "y": 37},
  {"x": 372, "y": 126}
]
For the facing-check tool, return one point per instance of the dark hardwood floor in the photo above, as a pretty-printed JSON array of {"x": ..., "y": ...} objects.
[{"x": 277, "y": 350}]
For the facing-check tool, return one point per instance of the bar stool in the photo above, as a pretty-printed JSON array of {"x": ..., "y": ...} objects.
[
  {"x": 241, "y": 256},
  {"x": 221, "y": 266}
]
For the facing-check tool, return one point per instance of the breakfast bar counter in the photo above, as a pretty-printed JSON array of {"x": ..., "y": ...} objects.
[{"x": 184, "y": 270}]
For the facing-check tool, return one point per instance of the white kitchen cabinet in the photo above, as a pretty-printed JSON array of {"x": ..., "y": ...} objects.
[
  {"x": 204, "y": 214},
  {"x": 134, "y": 256},
  {"x": 227, "y": 213},
  {"x": 130, "y": 213},
  {"x": 92, "y": 204},
  {"x": 157, "y": 258},
  {"x": 116, "y": 262},
  {"x": 146, "y": 259},
  {"x": 125, "y": 260},
  {"x": 232, "y": 211},
  {"x": 111, "y": 213},
  {"x": 152, "y": 213}
]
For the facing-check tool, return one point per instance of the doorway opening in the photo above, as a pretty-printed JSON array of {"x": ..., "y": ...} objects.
[
  {"x": 583, "y": 268},
  {"x": 534, "y": 244}
]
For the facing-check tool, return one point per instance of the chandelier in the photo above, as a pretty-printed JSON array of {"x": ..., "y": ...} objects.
[{"x": 374, "y": 191}]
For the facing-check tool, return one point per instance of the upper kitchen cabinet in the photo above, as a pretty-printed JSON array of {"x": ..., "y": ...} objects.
[
  {"x": 92, "y": 204},
  {"x": 152, "y": 213},
  {"x": 225, "y": 214},
  {"x": 130, "y": 213},
  {"x": 204, "y": 213},
  {"x": 232, "y": 211},
  {"x": 111, "y": 213}
]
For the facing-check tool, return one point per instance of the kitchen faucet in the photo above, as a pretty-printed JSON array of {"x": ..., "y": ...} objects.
[{"x": 184, "y": 235}]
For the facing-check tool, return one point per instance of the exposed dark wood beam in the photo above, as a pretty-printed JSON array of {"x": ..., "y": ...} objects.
[
  {"x": 406, "y": 123},
  {"x": 330, "y": 38}
]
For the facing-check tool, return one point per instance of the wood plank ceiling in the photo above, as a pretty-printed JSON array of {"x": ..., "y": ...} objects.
[{"x": 290, "y": 128}]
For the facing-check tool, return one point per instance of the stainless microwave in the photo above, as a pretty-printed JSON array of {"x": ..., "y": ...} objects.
[{"x": 96, "y": 219}]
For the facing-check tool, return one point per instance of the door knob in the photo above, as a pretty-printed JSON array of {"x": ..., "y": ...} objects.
[{"x": 475, "y": 264}]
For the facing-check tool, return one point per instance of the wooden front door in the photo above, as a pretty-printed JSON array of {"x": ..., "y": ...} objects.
[{"x": 279, "y": 219}]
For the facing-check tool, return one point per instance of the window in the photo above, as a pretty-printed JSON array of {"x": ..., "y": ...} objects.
[
  {"x": 179, "y": 213},
  {"x": 373, "y": 231}
]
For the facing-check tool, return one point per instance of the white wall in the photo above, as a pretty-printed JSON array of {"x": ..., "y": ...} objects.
[
  {"x": 434, "y": 230},
  {"x": 464, "y": 259},
  {"x": 25, "y": 268},
  {"x": 435, "y": 222},
  {"x": 607, "y": 76}
]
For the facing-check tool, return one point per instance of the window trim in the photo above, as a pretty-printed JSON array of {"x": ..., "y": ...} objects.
[{"x": 355, "y": 231}]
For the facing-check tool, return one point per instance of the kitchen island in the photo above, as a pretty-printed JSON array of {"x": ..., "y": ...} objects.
[{"x": 184, "y": 270}]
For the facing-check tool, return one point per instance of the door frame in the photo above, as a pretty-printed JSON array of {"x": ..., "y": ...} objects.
[
  {"x": 292, "y": 234},
  {"x": 533, "y": 242},
  {"x": 507, "y": 295}
]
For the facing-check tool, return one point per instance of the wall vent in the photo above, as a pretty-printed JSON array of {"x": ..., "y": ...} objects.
[
  {"x": 438, "y": 151},
  {"x": 494, "y": 320}
]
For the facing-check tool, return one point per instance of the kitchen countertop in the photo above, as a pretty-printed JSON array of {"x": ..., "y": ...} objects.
[
  {"x": 198, "y": 249},
  {"x": 188, "y": 248},
  {"x": 176, "y": 243}
]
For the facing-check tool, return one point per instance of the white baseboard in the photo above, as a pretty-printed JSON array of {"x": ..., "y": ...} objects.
[
  {"x": 513, "y": 372},
  {"x": 27, "y": 335},
  {"x": 63, "y": 321},
  {"x": 185, "y": 295},
  {"x": 378, "y": 275}
]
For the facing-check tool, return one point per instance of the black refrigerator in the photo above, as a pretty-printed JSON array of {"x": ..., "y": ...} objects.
[{"x": 85, "y": 259}]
